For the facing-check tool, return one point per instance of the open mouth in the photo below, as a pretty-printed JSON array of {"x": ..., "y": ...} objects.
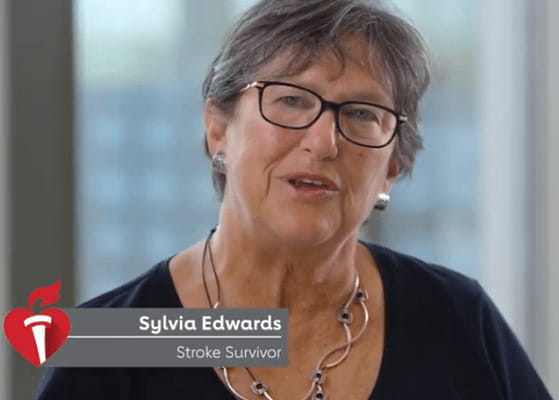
[{"x": 308, "y": 183}]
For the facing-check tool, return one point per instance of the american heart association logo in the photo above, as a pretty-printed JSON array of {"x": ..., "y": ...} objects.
[{"x": 38, "y": 336}]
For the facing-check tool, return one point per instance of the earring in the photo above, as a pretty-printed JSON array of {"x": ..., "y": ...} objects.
[
  {"x": 382, "y": 201},
  {"x": 218, "y": 162}
]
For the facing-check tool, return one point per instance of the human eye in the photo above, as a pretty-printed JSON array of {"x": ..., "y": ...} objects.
[
  {"x": 291, "y": 100},
  {"x": 362, "y": 113},
  {"x": 287, "y": 97}
]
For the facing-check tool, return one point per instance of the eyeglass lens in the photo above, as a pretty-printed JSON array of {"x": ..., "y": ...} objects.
[{"x": 296, "y": 108}]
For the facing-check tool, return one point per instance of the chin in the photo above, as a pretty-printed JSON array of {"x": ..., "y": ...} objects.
[{"x": 304, "y": 234}]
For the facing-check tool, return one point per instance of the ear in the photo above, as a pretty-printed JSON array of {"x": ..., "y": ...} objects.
[
  {"x": 215, "y": 122},
  {"x": 391, "y": 174}
]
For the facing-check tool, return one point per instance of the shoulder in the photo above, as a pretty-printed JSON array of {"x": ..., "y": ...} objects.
[
  {"x": 430, "y": 298},
  {"x": 403, "y": 273},
  {"x": 153, "y": 288},
  {"x": 82, "y": 383},
  {"x": 455, "y": 322}
]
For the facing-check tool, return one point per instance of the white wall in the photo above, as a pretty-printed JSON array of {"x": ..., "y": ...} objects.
[
  {"x": 519, "y": 102},
  {"x": 4, "y": 245},
  {"x": 551, "y": 195},
  {"x": 502, "y": 202}
]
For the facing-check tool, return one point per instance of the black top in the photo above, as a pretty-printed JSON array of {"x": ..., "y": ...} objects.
[{"x": 444, "y": 339}]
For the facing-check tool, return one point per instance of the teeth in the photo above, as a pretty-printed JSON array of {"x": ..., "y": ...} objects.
[{"x": 311, "y": 182}]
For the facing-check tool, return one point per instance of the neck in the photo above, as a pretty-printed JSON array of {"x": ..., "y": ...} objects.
[{"x": 257, "y": 271}]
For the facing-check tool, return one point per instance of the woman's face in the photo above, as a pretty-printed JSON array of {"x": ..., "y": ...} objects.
[{"x": 310, "y": 186}]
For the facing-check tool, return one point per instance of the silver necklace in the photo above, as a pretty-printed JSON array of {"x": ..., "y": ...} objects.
[{"x": 318, "y": 377}]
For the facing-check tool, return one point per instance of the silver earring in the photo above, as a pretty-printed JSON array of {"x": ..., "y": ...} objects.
[
  {"x": 382, "y": 201},
  {"x": 218, "y": 162}
]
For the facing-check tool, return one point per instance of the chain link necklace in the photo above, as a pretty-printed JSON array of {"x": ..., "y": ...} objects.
[{"x": 316, "y": 390}]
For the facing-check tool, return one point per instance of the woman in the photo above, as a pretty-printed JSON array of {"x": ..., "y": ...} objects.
[{"x": 311, "y": 114}]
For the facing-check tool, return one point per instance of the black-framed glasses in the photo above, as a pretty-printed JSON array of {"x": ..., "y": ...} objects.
[{"x": 294, "y": 107}]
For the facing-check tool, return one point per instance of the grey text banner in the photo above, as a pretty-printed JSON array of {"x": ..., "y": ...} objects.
[{"x": 169, "y": 337}]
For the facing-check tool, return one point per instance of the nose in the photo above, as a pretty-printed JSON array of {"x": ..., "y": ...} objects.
[{"x": 321, "y": 138}]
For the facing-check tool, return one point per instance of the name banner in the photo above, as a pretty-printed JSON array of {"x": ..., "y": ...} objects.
[{"x": 174, "y": 337}]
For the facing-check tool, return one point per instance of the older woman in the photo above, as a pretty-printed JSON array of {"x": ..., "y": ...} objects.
[{"x": 311, "y": 114}]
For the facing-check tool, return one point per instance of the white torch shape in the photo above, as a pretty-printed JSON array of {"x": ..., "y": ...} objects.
[{"x": 38, "y": 324}]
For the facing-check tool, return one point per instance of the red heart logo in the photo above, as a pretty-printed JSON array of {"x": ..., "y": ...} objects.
[
  {"x": 38, "y": 336},
  {"x": 23, "y": 339}
]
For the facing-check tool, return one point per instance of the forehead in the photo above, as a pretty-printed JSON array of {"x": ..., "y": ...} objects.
[{"x": 351, "y": 53}]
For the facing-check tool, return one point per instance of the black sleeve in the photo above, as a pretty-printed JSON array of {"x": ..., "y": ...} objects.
[
  {"x": 517, "y": 377},
  {"x": 83, "y": 384}
]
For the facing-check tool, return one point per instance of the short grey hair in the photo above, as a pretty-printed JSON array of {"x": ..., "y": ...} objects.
[{"x": 303, "y": 29}]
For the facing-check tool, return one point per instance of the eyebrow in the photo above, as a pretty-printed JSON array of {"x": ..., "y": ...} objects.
[{"x": 366, "y": 96}]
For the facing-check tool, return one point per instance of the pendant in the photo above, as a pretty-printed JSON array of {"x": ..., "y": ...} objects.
[
  {"x": 258, "y": 388},
  {"x": 345, "y": 316}
]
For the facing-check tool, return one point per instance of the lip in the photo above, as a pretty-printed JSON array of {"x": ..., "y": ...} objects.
[{"x": 329, "y": 184}]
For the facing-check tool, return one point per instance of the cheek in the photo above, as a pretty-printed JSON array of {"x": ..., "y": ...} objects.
[
  {"x": 368, "y": 179},
  {"x": 256, "y": 150},
  {"x": 253, "y": 150}
]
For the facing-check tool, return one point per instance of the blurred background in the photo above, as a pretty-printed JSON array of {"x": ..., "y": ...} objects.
[{"x": 102, "y": 172}]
